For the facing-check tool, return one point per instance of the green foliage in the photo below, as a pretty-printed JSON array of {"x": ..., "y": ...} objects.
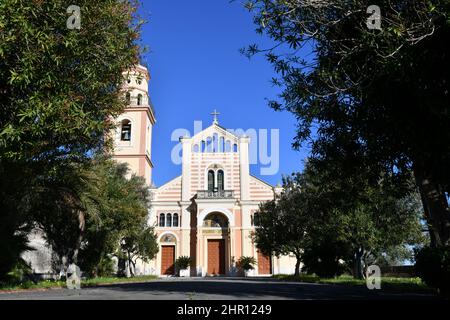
[
  {"x": 331, "y": 226},
  {"x": 433, "y": 266},
  {"x": 375, "y": 100},
  {"x": 57, "y": 87},
  {"x": 246, "y": 263},
  {"x": 183, "y": 262},
  {"x": 117, "y": 212}
]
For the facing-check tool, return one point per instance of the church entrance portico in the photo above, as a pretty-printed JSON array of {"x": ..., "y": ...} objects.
[{"x": 214, "y": 245}]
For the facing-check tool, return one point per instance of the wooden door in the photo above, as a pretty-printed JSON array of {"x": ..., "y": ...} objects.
[
  {"x": 264, "y": 264},
  {"x": 168, "y": 260},
  {"x": 216, "y": 256}
]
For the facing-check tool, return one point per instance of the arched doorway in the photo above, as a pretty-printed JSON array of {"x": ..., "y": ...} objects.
[
  {"x": 168, "y": 245},
  {"x": 215, "y": 229}
]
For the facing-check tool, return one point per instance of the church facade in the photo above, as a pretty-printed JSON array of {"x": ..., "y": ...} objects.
[{"x": 207, "y": 212}]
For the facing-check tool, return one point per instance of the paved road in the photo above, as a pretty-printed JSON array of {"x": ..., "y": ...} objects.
[{"x": 213, "y": 288}]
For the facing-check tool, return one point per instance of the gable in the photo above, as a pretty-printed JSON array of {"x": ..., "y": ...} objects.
[
  {"x": 260, "y": 190},
  {"x": 170, "y": 191}
]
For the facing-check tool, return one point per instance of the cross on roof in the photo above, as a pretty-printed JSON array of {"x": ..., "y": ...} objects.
[{"x": 215, "y": 114}]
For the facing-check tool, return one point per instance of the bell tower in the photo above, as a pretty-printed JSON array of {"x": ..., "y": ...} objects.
[{"x": 133, "y": 135}]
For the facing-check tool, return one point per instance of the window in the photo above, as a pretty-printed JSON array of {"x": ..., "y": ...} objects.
[
  {"x": 210, "y": 180},
  {"x": 222, "y": 144},
  {"x": 175, "y": 220},
  {"x": 215, "y": 142},
  {"x": 209, "y": 145},
  {"x": 162, "y": 220},
  {"x": 220, "y": 180},
  {"x": 128, "y": 98},
  {"x": 228, "y": 146},
  {"x": 203, "y": 146},
  {"x": 195, "y": 148},
  {"x": 256, "y": 220},
  {"x": 125, "y": 134},
  {"x": 168, "y": 220},
  {"x": 139, "y": 99},
  {"x": 235, "y": 147}
]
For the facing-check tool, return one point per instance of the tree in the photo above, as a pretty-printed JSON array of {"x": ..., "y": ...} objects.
[
  {"x": 114, "y": 210},
  {"x": 323, "y": 221},
  {"x": 139, "y": 244},
  {"x": 57, "y": 87},
  {"x": 385, "y": 91},
  {"x": 282, "y": 223},
  {"x": 118, "y": 227}
]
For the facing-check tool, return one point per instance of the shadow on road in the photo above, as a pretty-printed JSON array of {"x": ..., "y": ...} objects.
[{"x": 254, "y": 288}]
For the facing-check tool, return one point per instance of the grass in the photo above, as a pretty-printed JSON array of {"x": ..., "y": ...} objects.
[
  {"x": 392, "y": 284},
  {"x": 48, "y": 284}
]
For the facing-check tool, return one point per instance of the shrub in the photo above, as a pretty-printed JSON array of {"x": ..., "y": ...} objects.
[
  {"x": 183, "y": 262},
  {"x": 433, "y": 267},
  {"x": 246, "y": 263}
]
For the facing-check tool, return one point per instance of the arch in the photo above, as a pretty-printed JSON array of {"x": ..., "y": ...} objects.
[
  {"x": 175, "y": 220},
  {"x": 222, "y": 144},
  {"x": 215, "y": 143},
  {"x": 207, "y": 211},
  {"x": 195, "y": 148},
  {"x": 211, "y": 180},
  {"x": 216, "y": 220},
  {"x": 168, "y": 232},
  {"x": 228, "y": 146},
  {"x": 139, "y": 99},
  {"x": 162, "y": 220},
  {"x": 203, "y": 148},
  {"x": 169, "y": 220},
  {"x": 125, "y": 130},
  {"x": 212, "y": 166},
  {"x": 209, "y": 144},
  {"x": 235, "y": 147},
  {"x": 128, "y": 98},
  {"x": 220, "y": 180}
]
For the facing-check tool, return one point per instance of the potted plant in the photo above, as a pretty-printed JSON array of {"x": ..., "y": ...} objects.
[
  {"x": 246, "y": 264},
  {"x": 182, "y": 264}
]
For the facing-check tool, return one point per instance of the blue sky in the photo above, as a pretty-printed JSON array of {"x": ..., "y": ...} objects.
[{"x": 196, "y": 66}]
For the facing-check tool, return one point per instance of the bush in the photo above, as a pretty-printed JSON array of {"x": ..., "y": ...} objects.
[
  {"x": 183, "y": 262},
  {"x": 433, "y": 267},
  {"x": 246, "y": 263},
  {"x": 21, "y": 273}
]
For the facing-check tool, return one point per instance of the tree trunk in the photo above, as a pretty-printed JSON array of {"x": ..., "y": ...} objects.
[
  {"x": 358, "y": 272},
  {"x": 131, "y": 265},
  {"x": 297, "y": 266},
  {"x": 121, "y": 267},
  {"x": 435, "y": 205},
  {"x": 81, "y": 225}
]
